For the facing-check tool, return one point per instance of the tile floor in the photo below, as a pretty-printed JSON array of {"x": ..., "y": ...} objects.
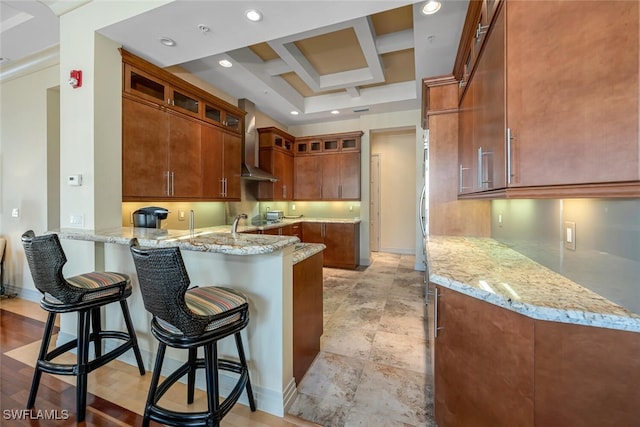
[{"x": 373, "y": 364}]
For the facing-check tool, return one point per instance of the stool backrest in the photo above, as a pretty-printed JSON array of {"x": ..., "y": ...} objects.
[
  {"x": 163, "y": 282},
  {"x": 46, "y": 259}
]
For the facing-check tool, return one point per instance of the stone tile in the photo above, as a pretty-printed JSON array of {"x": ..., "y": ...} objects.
[
  {"x": 400, "y": 351},
  {"x": 326, "y": 412},
  {"x": 351, "y": 342},
  {"x": 371, "y": 370},
  {"x": 355, "y": 316},
  {"x": 398, "y": 394},
  {"x": 332, "y": 376},
  {"x": 404, "y": 316}
]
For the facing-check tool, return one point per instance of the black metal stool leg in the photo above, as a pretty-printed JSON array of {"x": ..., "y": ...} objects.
[
  {"x": 44, "y": 348},
  {"x": 84, "y": 326},
  {"x": 96, "y": 324},
  {"x": 153, "y": 387},
  {"x": 211, "y": 369},
  {"x": 191, "y": 377},
  {"x": 243, "y": 361},
  {"x": 132, "y": 335}
]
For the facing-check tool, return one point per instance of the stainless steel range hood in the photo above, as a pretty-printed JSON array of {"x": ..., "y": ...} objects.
[{"x": 249, "y": 141}]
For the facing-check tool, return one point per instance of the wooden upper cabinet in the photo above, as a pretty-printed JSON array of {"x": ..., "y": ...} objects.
[
  {"x": 307, "y": 178},
  {"x": 161, "y": 153},
  {"x": 221, "y": 157},
  {"x": 573, "y": 94},
  {"x": 554, "y": 116},
  {"x": 178, "y": 141},
  {"x": 145, "y": 150},
  {"x": 276, "y": 157}
]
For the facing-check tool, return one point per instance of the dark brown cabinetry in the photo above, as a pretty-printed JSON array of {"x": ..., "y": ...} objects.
[
  {"x": 341, "y": 239},
  {"x": 276, "y": 157},
  {"x": 483, "y": 362},
  {"x": 161, "y": 153},
  {"x": 327, "y": 167},
  {"x": 307, "y": 313},
  {"x": 496, "y": 367},
  {"x": 554, "y": 116},
  {"x": 221, "y": 157},
  {"x": 178, "y": 141}
]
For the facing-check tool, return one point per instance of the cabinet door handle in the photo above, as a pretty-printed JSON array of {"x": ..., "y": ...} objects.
[
  {"x": 221, "y": 187},
  {"x": 226, "y": 188},
  {"x": 460, "y": 176},
  {"x": 284, "y": 191},
  {"x": 509, "y": 171},
  {"x": 168, "y": 184},
  {"x": 435, "y": 312},
  {"x": 173, "y": 186}
]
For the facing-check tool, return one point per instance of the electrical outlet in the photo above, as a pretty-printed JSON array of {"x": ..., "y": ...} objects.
[
  {"x": 500, "y": 219},
  {"x": 181, "y": 215},
  {"x": 570, "y": 235},
  {"x": 15, "y": 213}
]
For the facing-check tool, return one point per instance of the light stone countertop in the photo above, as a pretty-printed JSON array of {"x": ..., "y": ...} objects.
[
  {"x": 203, "y": 240},
  {"x": 306, "y": 250},
  {"x": 489, "y": 270}
]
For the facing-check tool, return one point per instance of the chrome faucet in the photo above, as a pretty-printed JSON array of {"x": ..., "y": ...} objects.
[{"x": 234, "y": 227}]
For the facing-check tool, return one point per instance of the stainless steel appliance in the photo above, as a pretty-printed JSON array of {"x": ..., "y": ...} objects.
[
  {"x": 274, "y": 217},
  {"x": 149, "y": 217}
]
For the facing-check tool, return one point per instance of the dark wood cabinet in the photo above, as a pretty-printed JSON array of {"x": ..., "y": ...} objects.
[
  {"x": 483, "y": 363},
  {"x": 221, "y": 157},
  {"x": 161, "y": 153},
  {"x": 493, "y": 366},
  {"x": 307, "y": 313},
  {"x": 307, "y": 178},
  {"x": 341, "y": 239},
  {"x": 276, "y": 157},
  {"x": 178, "y": 141},
  {"x": 555, "y": 110}
]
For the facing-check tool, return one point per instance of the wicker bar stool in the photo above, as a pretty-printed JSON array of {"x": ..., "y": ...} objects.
[
  {"x": 188, "y": 319},
  {"x": 84, "y": 294}
]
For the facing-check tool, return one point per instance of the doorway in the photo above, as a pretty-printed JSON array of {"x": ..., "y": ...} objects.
[{"x": 374, "y": 192}]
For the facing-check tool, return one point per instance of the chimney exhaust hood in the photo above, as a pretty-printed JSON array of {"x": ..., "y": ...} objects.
[{"x": 249, "y": 151}]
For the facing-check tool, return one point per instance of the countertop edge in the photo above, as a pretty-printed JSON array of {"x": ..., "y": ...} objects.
[{"x": 542, "y": 313}]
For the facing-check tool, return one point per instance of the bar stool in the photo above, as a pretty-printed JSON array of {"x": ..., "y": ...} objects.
[
  {"x": 84, "y": 294},
  {"x": 188, "y": 319}
]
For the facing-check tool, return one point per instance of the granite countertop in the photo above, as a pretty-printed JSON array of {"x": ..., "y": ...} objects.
[
  {"x": 486, "y": 269},
  {"x": 211, "y": 239},
  {"x": 305, "y": 250}
]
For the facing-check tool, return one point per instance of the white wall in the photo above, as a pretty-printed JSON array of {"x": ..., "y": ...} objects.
[
  {"x": 397, "y": 191},
  {"x": 23, "y": 156}
]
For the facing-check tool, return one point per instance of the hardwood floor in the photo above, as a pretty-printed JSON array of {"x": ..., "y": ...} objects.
[{"x": 111, "y": 387}]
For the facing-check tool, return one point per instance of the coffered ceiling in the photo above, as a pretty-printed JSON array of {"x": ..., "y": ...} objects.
[{"x": 311, "y": 57}]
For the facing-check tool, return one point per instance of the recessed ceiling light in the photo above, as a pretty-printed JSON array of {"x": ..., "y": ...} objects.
[
  {"x": 225, "y": 63},
  {"x": 167, "y": 41},
  {"x": 294, "y": 113},
  {"x": 431, "y": 7},
  {"x": 335, "y": 112},
  {"x": 253, "y": 15},
  {"x": 203, "y": 28}
]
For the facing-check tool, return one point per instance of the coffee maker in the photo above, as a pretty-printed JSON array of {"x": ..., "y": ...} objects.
[{"x": 149, "y": 217}]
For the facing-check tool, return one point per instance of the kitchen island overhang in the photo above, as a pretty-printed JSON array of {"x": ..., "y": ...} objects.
[{"x": 260, "y": 266}]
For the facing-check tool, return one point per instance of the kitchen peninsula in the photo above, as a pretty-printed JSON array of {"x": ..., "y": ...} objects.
[
  {"x": 260, "y": 266},
  {"x": 514, "y": 343}
]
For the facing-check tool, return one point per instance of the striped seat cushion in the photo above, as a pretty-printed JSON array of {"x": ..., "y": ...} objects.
[
  {"x": 210, "y": 301},
  {"x": 99, "y": 279}
]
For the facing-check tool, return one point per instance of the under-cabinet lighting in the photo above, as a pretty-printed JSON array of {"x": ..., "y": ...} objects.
[
  {"x": 431, "y": 7},
  {"x": 225, "y": 63}
]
